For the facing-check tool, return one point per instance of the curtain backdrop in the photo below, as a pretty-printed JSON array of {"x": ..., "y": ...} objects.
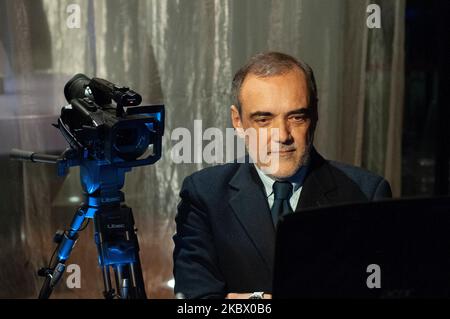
[{"x": 182, "y": 53}]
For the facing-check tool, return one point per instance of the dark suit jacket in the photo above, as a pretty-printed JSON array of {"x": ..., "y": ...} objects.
[{"x": 225, "y": 238}]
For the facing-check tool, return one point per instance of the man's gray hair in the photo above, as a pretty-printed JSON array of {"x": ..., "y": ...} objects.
[{"x": 275, "y": 63}]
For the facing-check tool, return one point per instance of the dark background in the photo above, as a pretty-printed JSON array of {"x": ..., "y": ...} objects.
[{"x": 426, "y": 125}]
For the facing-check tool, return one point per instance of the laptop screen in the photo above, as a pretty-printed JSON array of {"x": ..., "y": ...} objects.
[{"x": 387, "y": 249}]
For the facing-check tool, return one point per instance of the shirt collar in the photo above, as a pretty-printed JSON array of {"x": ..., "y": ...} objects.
[{"x": 296, "y": 180}]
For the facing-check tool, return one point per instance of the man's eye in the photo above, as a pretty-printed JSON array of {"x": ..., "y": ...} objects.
[
  {"x": 298, "y": 118},
  {"x": 262, "y": 120}
]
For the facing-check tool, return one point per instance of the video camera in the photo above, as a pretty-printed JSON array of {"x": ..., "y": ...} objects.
[
  {"x": 97, "y": 130},
  {"x": 106, "y": 141}
]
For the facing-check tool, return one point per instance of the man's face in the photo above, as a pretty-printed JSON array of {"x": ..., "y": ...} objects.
[{"x": 277, "y": 104}]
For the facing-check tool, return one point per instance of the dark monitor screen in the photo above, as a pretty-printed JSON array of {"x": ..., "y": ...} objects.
[{"x": 386, "y": 249}]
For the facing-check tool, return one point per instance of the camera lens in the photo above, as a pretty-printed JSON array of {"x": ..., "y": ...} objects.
[
  {"x": 126, "y": 137},
  {"x": 131, "y": 142}
]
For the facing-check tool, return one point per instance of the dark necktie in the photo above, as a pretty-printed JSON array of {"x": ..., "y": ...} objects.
[{"x": 282, "y": 193}]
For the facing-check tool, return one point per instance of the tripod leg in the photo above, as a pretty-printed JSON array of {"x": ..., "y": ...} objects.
[
  {"x": 138, "y": 280},
  {"x": 108, "y": 293},
  {"x": 122, "y": 281},
  {"x": 65, "y": 244},
  {"x": 118, "y": 247},
  {"x": 129, "y": 281}
]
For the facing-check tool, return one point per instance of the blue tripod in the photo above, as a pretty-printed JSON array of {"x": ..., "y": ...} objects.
[{"x": 115, "y": 234}]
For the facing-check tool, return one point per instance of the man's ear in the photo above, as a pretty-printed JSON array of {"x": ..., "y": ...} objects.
[
  {"x": 236, "y": 121},
  {"x": 235, "y": 117}
]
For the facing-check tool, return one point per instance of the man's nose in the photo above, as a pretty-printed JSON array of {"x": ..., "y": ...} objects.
[{"x": 284, "y": 133}]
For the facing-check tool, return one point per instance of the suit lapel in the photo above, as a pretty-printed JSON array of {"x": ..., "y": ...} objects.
[
  {"x": 319, "y": 185},
  {"x": 252, "y": 210}
]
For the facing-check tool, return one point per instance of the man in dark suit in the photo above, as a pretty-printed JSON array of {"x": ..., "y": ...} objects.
[{"x": 227, "y": 217}]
